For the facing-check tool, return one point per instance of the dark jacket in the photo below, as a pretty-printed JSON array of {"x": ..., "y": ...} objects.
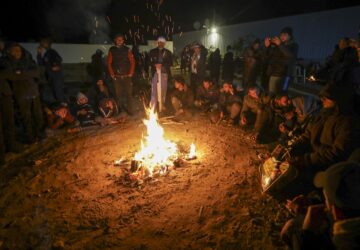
[
  {"x": 254, "y": 105},
  {"x": 164, "y": 57},
  {"x": 5, "y": 89},
  {"x": 186, "y": 97},
  {"x": 22, "y": 75},
  {"x": 346, "y": 234},
  {"x": 50, "y": 59},
  {"x": 329, "y": 138},
  {"x": 226, "y": 99},
  {"x": 282, "y": 59},
  {"x": 228, "y": 67},
  {"x": 200, "y": 60},
  {"x": 215, "y": 63},
  {"x": 96, "y": 69},
  {"x": 88, "y": 118},
  {"x": 209, "y": 96},
  {"x": 252, "y": 60}
]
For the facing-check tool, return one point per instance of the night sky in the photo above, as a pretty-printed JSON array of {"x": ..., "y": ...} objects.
[{"x": 95, "y": 21}]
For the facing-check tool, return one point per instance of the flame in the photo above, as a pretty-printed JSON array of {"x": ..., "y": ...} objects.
[
  {"x": 192, "y": 153},
  {"x": 267, "y": 181},
  {"x": 312, "y": 78},
  {"x": 156, "y": 152}
]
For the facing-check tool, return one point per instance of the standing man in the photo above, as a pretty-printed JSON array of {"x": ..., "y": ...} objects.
[
  {"x": 8, "y": 142},
  {"x": 161, "y": 61},
  {"x": 121, "y": 66},
  {"x": 52, "y": 61},
  {"x": 198, "y": 60},
  {"x": 228, "y": 66},
  {"x": 214, "y": 66},
  {"x": 22, "y": 74},
  {"x": 282, "y": 60},
  {"x": 252, "y": 59}
]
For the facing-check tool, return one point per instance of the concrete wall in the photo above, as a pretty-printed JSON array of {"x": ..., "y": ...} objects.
[
  {"x": 76, "y": 57},
  {"x": 317, "y": 33},
  {"x": 81, "y": 53}
]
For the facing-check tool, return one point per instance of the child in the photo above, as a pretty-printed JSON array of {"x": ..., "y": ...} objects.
[
  {"x": 84, "y": 111},
  {"x": 59, "y": 117}
]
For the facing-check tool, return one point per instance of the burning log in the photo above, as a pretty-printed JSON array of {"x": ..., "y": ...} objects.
[
  {"x": 135, "y": 165},
  {"x": 157, "y": 155}
]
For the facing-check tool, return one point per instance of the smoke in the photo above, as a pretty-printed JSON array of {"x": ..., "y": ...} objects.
[{"x": 80, "y": 20}]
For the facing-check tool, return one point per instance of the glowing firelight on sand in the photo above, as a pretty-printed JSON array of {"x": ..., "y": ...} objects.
[
  {"x": 156, "y": 152},
  {"x": 192, "y": 154}
]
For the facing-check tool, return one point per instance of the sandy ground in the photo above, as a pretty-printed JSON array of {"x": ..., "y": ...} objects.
[{"x": 66, "y": 193}]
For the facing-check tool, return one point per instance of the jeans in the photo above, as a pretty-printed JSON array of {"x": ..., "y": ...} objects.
[
  {"x": 56, "y": 79},
  {"x": 123, "y": 86},
  {"x": 276, "y": 84},
  {"x": 8, "y": 122},
  {"x": 32, "y": 117}
]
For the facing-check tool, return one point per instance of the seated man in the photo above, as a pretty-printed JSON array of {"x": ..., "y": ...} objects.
[
  {"x": 207, "y": 95},
  {"x": 182, "y": 99},
  {"x": 305, "y": 107},
  {"x": 255, "y": 111},
  {"x": 329, "y": 138},
  {"x": 288, "y": 125},
  {"x": 229, "y": 104},
  {"x": 279, "y": 105},
  {"x": 341, "y": 187}
]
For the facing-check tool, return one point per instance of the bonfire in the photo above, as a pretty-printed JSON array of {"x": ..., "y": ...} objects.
[{"x": 157, "y": 154}]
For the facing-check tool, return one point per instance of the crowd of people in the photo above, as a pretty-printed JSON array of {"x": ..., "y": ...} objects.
[{"x": 322, "y": 133}]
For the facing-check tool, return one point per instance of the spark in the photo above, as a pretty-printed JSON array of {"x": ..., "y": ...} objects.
[{"x": 108, "y": 18}]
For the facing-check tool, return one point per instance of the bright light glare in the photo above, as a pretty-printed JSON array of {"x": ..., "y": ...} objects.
[
  {"x": 213, "y": 30},
  {"x": 214, "y": 39}
]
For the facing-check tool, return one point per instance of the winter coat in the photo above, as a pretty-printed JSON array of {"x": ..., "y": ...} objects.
[
  {"x": 210, "y": 95},
  {"x": 186, "y": 97},
  {"x": 87, "y": 119},
  {"x": 252, "y": 60},
  {"x": 5, "y": 89},
  {"x": 346, "y": 234},
  {"x": 215, "y": 63},
  {"x": 162, "y": 56},
  {"x": 254, "y": 105},
  {"x": 228, "y": 67},
  {"x": 227, "y": 99},
  {"x": 198, "y": 66},
  {"x": 330, "y": 136},
  {"x": 50, "y": 59},
  {"x": 22, "y": 75},
  {"x": 282, "y": 59}
]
